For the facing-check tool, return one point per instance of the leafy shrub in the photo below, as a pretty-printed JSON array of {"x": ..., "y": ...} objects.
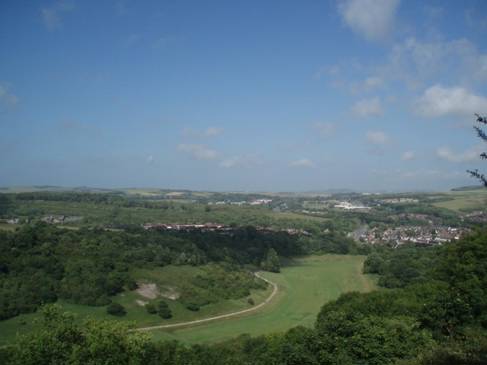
[{"x": 116, "y": 309}]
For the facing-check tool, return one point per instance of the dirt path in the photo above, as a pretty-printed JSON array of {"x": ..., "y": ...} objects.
[
  {"x": 222, "y": 316},
  {"x": 366, "y": 283}
]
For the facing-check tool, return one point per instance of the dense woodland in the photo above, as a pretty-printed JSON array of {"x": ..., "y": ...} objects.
[
  {"x": 436, "y": 316},
  {"x": 40, "y": 263}
]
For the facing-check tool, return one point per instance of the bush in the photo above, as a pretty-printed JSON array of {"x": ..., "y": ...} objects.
[
  {"x": 164, "y": 311},
  {"x": 193, "y": 307},
  {"x": 116, "y": 309},
  {"x": 250, "y": 301},
  {"x": 151, "y": 308}
]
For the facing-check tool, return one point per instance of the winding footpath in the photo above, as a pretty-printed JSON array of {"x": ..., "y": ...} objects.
[{"x": 222, "y": 316}]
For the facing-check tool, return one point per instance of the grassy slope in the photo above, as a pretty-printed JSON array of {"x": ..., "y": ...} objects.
[
  {"x": 465, "y": 200},
  {"x": 169, "y": 275},
  {"x": 304, "y": 288}
]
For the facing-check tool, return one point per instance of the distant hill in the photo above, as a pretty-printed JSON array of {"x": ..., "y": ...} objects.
[{"x": 468, "y": 188}]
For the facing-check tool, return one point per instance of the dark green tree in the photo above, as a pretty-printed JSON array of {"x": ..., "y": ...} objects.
[
  {"x": 163, "y": 310},
  {"x": 116, "y": 309},
  {"x": 483, "y": 136},
  {"x": 271, "y": 262}
]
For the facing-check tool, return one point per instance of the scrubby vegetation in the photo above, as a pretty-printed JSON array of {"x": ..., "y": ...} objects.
[
  {"x": 440, "y": 319},
  {"x": 40, "y": 263}
]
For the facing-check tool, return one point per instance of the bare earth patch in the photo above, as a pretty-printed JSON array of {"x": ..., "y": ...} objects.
[
  {"x": 141, "y": 302},
  {"x": 170, "y": 292},
  {"x": 147, "y": 290}
]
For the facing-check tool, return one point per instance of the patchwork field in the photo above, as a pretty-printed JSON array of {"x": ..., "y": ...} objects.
[
  {"x": 305, "y": 284},
  {"x": 465, "y": 200}
]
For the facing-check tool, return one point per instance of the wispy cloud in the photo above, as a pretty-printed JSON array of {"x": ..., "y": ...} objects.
[
  {"x": 206, "y": 133},
  {"x": 471, "y": 154},
  {"x": 303, "y": 162},
  {"x": 52, "y": 15},
  {"x": 377, "y": 137},
  {"x": 7, "y": 98},
  {"x": 246, "y": 161},
  {"x": 408, "y": 156},
  {"x": 438, "y": 101},
  {"x": 325, "y": 129},
  {"x": 372, "y": 19},
  {"x": 368, "y": 107},
  {"x": 418, "y": 62},
  {"x": 198, "y": 151}
]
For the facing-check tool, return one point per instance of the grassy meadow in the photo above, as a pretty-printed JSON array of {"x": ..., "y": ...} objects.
[
  {"x": 305, "y": 284},
  {"x": 464, "y": 200}
]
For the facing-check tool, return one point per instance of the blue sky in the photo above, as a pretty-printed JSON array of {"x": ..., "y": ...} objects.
[{"x": 242, "y": 95}]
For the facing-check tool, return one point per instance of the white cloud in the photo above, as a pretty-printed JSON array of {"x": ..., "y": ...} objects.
[
  {"x": 324, "y": 129},
  {"x": 372, "y": 82},
  {"x": 368, "y": 107},
  {"x": 246, "y": 161},
  {"x": 198, "y": 151},
  {"x": 52, "y": 16},
  {"x": 304, "y": 162},
  {"x": 212, "y": 131},
  {"x": 470, "y": 154},
  {"x": 408, "y": 156},
  {"x": 377, "y": 137},
  {"x": 6, "y": 97},
  {"x": 417, "y": 62},
  {"x": 208, "y": 132},
  {"x": 438, "y": 101},
  {"x": 372, "y": 19},
  {"x": 150, "y": 159}
]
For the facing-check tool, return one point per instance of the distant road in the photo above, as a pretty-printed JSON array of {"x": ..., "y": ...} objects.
[{"x": 222, "y": 316}]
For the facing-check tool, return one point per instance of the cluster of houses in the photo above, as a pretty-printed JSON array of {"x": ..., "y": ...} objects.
[
  {"x": 398, "y": 200},
  {"x": 413, "y": 234},
  {"x": 215, "y": 227},
  {"x": 243, "y": 202},
  {"x": 206, "y": 227},
  {"x": 351, "y": 206},
  {"x": 60, "y": 219},
  {"x": 477, "y": 216},
  {"x": 11, "y": 220}
]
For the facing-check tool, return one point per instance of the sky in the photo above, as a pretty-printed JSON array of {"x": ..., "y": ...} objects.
[{"x": 369, "y": 95}]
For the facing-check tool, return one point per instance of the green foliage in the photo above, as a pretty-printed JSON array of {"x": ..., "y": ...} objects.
[
  {"x": 151, "y": 308},
  {"x": 41, "y": 263},
  {"x": 61, "y": 341},
  {"x": 163, "y": 310},
  {"x": 116, "y": 309},
  {"x": 271, "y": 262}
]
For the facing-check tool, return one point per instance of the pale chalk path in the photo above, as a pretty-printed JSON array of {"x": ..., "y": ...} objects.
[{"x": 222, "y": 316}]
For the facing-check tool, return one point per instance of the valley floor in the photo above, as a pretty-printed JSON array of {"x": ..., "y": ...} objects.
[{"x": 303, "y": 286}]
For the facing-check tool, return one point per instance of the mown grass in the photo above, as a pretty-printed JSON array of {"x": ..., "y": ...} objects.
[{"x": 304, "y": 287}]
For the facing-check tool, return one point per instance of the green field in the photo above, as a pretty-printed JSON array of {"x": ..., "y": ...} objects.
[
  {"x": 464, "y": 200},
  {"x": 304, "y": 287},
  {"x": 174, "y": 276}
]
